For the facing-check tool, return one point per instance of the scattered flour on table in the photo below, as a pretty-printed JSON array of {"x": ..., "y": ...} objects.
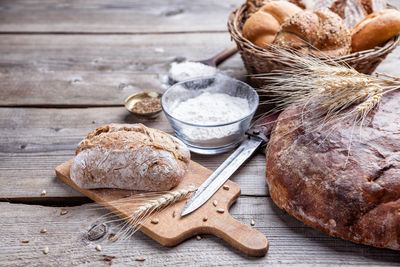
[
  {"x": 210, "y": 109},
  {"x": 189, "y": 70}
]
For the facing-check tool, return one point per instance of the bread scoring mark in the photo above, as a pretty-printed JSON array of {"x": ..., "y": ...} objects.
[{"x": 379, "y": 173}]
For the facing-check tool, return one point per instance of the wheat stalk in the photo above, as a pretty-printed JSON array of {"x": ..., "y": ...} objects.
[
  {"x": 325, "y": 89},
  {"x": 144, "y": 206}
]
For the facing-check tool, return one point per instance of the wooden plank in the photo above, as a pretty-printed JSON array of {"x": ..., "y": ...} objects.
[
  {"x": 291, "y": 242},
  {"x": 34, "y": 141},
  {"x": 101, "y": 16},
  {"x": 42, "y": 70},
  {"x": 82, "y": 70},
  {"x": 119, "y": 16}
]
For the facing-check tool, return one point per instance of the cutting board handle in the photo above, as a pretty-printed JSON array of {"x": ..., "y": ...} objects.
[{"x": 242, "y": 237}]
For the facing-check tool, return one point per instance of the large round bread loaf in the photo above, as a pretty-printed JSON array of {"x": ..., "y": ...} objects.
[
  {"x": 357, "y": 199},
  {"x": 129, "y": 156}
]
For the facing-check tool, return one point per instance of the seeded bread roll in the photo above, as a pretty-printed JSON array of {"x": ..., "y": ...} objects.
[
  {"x": 375, "y": 29},
  {"x": 129, "y": 156},
  {"x": 352, "y": 194},
  {"x": 262, "y": 26},
  {"x": 319, "y": 32}
]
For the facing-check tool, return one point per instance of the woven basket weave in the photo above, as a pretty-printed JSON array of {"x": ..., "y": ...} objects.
[{"x": 258, "y": 60}]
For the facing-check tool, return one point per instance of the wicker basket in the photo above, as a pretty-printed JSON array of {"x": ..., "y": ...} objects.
[{"x": 258, "y": 60}]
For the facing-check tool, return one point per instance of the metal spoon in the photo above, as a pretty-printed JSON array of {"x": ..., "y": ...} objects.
[
  {"x": 132, "y": 100},
  {"x": 212, "y": 61}
]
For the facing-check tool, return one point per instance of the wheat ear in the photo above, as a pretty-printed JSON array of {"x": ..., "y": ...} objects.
[
  {"x": 144, "y": 206},
  {"x": 324, "y": 89}
]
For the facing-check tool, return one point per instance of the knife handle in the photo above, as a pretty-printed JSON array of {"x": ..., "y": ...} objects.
[{"x": 242, "y": 237}]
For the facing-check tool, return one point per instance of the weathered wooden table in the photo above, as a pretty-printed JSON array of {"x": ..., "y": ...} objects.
[{"x": 65, "y": 68}]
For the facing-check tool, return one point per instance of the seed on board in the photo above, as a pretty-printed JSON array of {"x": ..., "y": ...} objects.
[
  {"x": 112, "y": 237},
  {"x": 98, "y": 247},
  {"x": 63, "y": 212},
  {"x": 43, "y": 193},
  {"x": 252, "y": 223},
  {"x": 220, "y": 210},
  {"x": 198, "y": 237},
  {"x": 140, "y": 259},
  {"x": 205, "y": 219},
  {"x": 226, "y": 187},
  {"x": 155, "y": 221},
  {"x": 25, "y": 241},
  {"x": 43, "y": 230},
  {"x": 46, "y": 250},
  {"x": 215, "y": 203}
]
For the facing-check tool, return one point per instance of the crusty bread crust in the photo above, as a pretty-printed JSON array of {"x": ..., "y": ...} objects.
[
  {"x": 132, "y": 157},
  {"x": 375, "y": 29},
  {"x": 358, "y": 201}
]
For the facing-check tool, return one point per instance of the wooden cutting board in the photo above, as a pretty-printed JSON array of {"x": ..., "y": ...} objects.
[{"x": 170, "y": 230}]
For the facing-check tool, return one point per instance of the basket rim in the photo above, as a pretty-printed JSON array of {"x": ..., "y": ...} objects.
[{"x": 235, "y": 29}]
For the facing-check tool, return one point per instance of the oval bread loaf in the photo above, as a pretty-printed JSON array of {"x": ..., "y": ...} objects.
[
  {"x": 129, "y": 156},
  {"x": 262, "y": 26},
  {"x": 375, "y": 29}
]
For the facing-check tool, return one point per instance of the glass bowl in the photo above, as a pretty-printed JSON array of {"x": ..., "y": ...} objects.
[{"x": 216, "y": 138}]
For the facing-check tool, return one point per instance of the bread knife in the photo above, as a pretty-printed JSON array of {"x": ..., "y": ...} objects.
[{"x": 257, "y": 136}]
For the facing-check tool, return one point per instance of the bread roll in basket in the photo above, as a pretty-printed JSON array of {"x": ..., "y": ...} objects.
[{"x": 258, "y": 60}]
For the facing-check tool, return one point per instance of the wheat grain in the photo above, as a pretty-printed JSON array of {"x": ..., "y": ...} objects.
[{"x": 366, "y": 106}]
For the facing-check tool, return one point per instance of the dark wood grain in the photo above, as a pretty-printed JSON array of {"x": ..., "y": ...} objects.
[
  {"x": 291, "y": 242},
  {"x": 34, "y": 141},
  {"x": 77, "y": 70},
  {"x": 94, "y": 53},
  {"x": 96, "y": 16}
]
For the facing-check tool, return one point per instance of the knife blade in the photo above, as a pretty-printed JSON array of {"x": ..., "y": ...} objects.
[{"x": 257, "y": 136}]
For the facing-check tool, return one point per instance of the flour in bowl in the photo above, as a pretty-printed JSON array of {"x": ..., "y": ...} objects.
[{"x": 211, "y": 109}]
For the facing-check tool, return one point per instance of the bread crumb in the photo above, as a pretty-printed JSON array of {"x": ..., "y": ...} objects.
[
  {"x": 46, "y": 250},
  {"x": 155, "y": 221},
  {"x": 140, "y": 259},
  {"x": 25, "y": 241},
  {"x": 252, "y": 223},
  {"x": 220, "y": 210},
  {"x": 98, "y": 247},
  {"x": 226, "y": 187},
  {"x": 43, "y": 193},
  {"x": 198, "y": 237},
  {"x": 43, "y": 230},
  {"x": 205, "y": 219}
]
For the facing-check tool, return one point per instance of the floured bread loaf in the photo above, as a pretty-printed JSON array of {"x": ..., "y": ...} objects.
[
  {"x": 358, "y": 201},
  {"x": 129, "y": 156}
]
